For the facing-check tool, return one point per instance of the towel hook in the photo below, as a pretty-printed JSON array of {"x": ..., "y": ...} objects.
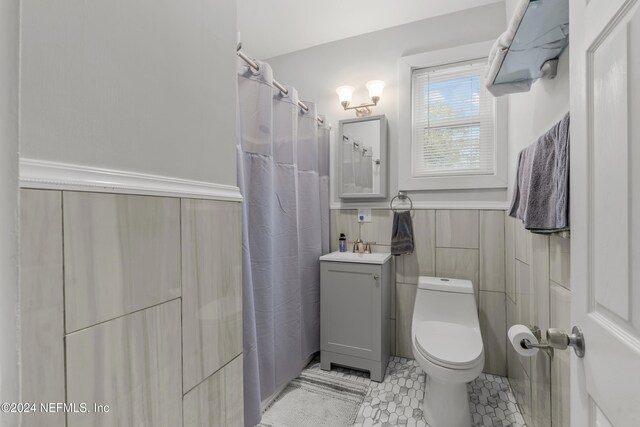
[{"x": 403, "y": 197}]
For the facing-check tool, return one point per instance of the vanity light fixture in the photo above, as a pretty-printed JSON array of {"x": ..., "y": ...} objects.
[{"x": 375, "y": 88}]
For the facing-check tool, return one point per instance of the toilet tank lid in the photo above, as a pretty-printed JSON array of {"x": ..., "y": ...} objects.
[{"x": 445, "y": 285}]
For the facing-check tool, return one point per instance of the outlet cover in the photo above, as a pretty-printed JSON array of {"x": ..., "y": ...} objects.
[{"x": 364, "y": 215}]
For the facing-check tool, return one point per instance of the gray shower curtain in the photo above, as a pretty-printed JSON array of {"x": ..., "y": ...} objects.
[{"x": 283, "y": 174}]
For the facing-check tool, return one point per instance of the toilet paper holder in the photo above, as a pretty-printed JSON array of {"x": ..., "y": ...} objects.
[
  {"x": 556, "y": 339},
  {"x": 525, "y": 343}
]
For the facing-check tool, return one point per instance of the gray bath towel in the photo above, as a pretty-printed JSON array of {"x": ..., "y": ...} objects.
[
  {"x": 402, "y": 233},
  {"x": 541, "y": 196}
]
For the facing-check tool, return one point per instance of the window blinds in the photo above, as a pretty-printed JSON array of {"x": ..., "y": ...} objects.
[{"x": 453, "y": 122}]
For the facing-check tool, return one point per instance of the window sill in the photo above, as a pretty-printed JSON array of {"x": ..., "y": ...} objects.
[{"x": 453, "y": 182}]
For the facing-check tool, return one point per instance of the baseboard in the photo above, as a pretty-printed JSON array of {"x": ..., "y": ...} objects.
[{"x": 39, "y": 174}]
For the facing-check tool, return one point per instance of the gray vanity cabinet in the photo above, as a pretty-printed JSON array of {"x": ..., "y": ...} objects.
[{"x": 355, "y": 305}]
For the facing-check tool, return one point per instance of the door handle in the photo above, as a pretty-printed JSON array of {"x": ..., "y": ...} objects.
[
  {"x": 376, "y": 276},
  {"x": 559, "y": 339}
]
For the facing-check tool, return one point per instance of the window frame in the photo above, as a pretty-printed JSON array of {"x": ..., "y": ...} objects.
[{"x": 442, "y": 58}]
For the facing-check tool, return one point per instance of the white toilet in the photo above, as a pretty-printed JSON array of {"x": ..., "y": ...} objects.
[{"x": 447, "y": 344}]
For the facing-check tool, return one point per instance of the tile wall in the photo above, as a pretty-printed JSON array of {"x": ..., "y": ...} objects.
[
  {"x": 538, "y": 293},
  {"x": 519, "y": 277},
  {"x": 134, "y": 302},
  {"x": 110, "y": 306},
  {"x": 42, "y": 304},
  {"x": 464, "y": 244}
]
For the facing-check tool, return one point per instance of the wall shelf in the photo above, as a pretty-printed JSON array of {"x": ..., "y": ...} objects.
[{"x": 541, "y": 36}]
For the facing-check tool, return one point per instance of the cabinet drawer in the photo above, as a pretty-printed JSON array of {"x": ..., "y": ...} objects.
[{"x": 351, "y": 309}]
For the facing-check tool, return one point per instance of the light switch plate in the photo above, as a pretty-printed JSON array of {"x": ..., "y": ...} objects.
[{"x": 364, "y": 215}]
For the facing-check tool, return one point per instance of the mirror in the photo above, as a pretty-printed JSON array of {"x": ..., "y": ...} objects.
[{"x": 362, "y": 158}]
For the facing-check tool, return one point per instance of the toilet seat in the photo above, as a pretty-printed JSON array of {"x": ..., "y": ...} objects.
[{"x": 450, "y": 345}]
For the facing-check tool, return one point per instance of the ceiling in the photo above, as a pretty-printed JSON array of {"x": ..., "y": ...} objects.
[{"x": 270, "y": 28}]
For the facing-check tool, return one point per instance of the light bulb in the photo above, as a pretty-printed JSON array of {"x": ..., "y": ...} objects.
[
  {"x": 345, "y": 93},
  {"x": 375, "y": 88}
]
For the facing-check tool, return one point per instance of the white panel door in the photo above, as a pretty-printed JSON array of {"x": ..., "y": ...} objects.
[{"x": 605, "y": 210}]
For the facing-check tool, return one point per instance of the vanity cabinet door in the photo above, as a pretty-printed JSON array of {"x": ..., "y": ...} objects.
[{"x": 351, "y": 309}]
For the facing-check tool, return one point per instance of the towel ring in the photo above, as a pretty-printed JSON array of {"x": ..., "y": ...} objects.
[{"x": 402, "y": 196}]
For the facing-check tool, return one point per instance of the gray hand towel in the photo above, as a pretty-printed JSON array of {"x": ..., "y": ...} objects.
[
  {"x": 541, "y": 196},
  {"x": 402, "y": 233}
]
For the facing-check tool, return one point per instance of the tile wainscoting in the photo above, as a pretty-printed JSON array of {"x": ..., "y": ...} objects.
[
  {"x": 519, "y": 277},
  {"x": 148, "y": 253},
  {"x": 463, "y": 244},
  {"x": 42, "y": 304},
  {"x": 538, "y": 293},
  {"x": 134, "y": 302}
]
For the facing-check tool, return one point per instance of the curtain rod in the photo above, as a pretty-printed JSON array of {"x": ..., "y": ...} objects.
[{"x": 253, "y": 64}]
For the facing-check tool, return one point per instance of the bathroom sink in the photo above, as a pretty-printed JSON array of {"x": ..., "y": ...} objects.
[{"x": 375, "y": 258}]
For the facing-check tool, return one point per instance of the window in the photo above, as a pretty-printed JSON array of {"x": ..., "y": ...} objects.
[
  {"x": 452, "y": 131},
  {"x": 453, "y": 121}
]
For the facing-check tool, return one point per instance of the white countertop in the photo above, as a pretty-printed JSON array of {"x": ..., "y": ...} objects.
[{"x": 375, "y": 258}]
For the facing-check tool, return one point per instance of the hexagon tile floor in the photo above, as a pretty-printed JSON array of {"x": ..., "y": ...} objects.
[{"x": 396, "y": 400}]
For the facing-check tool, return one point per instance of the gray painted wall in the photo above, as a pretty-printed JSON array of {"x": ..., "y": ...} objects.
[
  {"x": 142, "y": 86},
  {"x": 533, "y": 113},
  {"x": 317, "y": 71}
]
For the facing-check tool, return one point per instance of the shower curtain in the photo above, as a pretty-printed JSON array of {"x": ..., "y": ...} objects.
[{"x": 283, "y": 174}]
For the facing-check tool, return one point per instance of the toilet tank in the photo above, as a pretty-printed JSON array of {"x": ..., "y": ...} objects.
[
  {"x": 446, "y": 300},
  {"x": 443, "y": 284}
]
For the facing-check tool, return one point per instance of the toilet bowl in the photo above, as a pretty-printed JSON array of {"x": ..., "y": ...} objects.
[{"x": 447, "y": 343}]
